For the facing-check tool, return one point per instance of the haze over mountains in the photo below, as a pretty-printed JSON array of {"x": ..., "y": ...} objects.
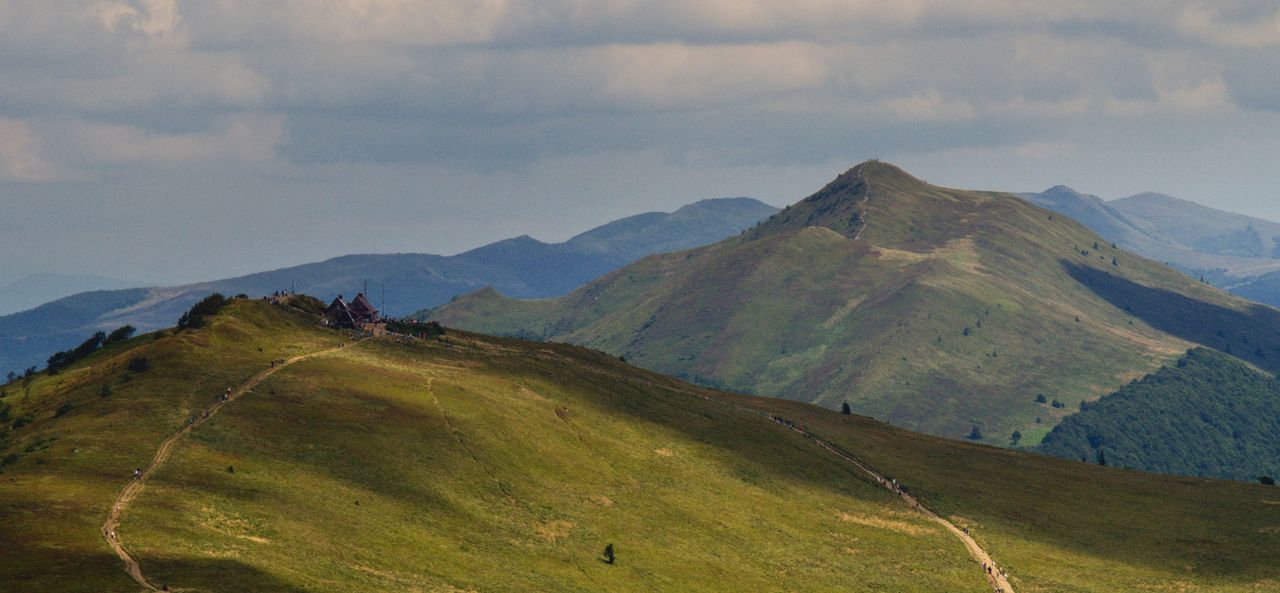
[
  {"x": 37, "y": 289},
  {"x": 933, "y": 308},
  {"x": 1237, "y": 252},
  {"x": 404, "y": 283}
]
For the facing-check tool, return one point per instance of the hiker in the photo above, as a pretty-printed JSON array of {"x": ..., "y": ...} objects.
[{"x": 137, "y": 473}]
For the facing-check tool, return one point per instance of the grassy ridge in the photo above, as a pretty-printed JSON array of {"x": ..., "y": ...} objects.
[
  {"x": 950, "y": 309},
  {"x": 496, "y": 465}
]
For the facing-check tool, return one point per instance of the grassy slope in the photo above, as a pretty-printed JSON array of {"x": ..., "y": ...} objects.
[
  {"x": 1069, "y": 527},
  {"x": 496, "y": 465},
  {"x": 798, "y": 309}
]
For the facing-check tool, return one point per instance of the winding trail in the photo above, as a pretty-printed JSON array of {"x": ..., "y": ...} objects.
[
  {"x": 134, "y": 487},
  {"x": 995, "y": 578}
]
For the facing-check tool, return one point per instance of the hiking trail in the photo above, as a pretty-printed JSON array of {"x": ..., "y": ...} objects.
[
  {"x": 134, "y": 487},
  {"x": 997, "y": 579}
]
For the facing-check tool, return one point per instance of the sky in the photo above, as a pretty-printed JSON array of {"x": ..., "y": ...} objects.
[{"x": 176, "y": 141}]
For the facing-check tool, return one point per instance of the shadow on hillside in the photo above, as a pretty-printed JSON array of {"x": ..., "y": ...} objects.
[
  {"x": 40, "y": 569},
  {"x": 1252, "y": 335}
]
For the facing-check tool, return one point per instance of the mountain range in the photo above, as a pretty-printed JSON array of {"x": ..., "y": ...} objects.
[
  {"x": 35, "y": 290},
  {"x": 276, "y": 455},
  {"x": 948, "y": 311},
  {"x": 398, "y": 283},
  {"x": 1236, "y": 252}
]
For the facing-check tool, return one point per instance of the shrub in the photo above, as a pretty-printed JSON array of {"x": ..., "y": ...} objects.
[
  {"x": 105, "y": 391},
  {"x": 5, "y": 412},
  {"x": 1040, "y": 399},
  {"x": 975, "y": 434},
  {"x": 1015, "y": 437},
  {"x": 201, "y": 311},
  {"x": 120, "y": 334},
  {"x": 845, "y": 409},
  {"x": 23, "y": 421},
  {"x": 63, "y": 410},
  {"x": 61, "y": 360},
  {"x": 139, "y": 364},
  {"x": 1266, "y": 480},
  {"x": 1058, "y": 404}
]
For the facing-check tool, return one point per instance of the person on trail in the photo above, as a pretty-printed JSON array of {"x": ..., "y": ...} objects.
[{"x": 137, "y": 473}]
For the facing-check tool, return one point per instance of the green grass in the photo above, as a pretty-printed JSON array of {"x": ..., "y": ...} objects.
[
  {"x": 488, "y": 464},
  {"x": 798, "y": 309}
]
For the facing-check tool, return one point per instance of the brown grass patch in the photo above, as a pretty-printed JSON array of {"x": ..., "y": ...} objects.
[
  {"x": 881, "y": 523},
  {"x": 552, "y": 531}
]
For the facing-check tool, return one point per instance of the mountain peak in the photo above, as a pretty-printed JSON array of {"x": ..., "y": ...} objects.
[{"x": 840, "y": 205}]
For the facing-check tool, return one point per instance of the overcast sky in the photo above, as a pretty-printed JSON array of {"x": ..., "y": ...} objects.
[{"x": 178, "y": 141}]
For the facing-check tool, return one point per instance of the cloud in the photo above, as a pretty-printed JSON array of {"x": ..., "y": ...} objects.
[
  {"x": 247, "y": 139},
  {"x": 20, "y": 158}
]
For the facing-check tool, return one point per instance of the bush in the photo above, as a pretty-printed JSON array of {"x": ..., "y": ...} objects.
[
  {"x": 202, "y": 311},
  {"x": 1040, "y": 399},
  {"x": 1266, "y": 480},
  {"x": 63, "y": 410},
  {"x": 1058, "y": 404},
  {"x": 120, "y": 334},
  {"x": 1015, "y": 437},
  {"x": 5, "y": 412},
  {"x": 23, "y": 421},
  {"x": 975, "y": 434},
  {"x": 845, "y": 409},
  {"x": 61, "y": 360},
  {"x": 105, "y": 391},
  {"x": 139, "y": 364}
]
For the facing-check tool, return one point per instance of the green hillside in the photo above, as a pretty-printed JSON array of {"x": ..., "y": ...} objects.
[
  {"x": 933, "y": 308},
  {"x": 488, "y": 465},
  {"x": 1209, "y": 415}
]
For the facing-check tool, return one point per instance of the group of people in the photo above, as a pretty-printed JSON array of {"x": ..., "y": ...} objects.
[{"x": 994, "y": 572}]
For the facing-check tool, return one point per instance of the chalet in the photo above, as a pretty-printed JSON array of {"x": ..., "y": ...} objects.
[
  {"x": 354, "y": 314},
  {"x": 362, "y": 310}
]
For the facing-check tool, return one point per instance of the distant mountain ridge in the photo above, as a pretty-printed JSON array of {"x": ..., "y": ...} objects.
[
  {"x": 398, "y": 283},
  {"x": 934, "y": 308},
  {"x": 34, "y": 290},
  {"x": 1236, "y": 252}
]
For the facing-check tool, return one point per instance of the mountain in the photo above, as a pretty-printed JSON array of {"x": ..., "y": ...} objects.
[
  {"x": 398, "y": 283},
  {"x": 1205, "y": 229},
  {"x": 1209, "y": 415},
  {"x": 1236, "y": 252},
  {"x": 932, "y": 308},
  {"x": 1128, "y": 233},
  {"x": 36, "y": 289},
  {"x": 470, "y": 463}
]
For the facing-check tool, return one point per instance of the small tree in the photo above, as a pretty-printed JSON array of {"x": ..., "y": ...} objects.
[
  {"x": 1040, "y": 398},
  {"x": 1102, "y": 456},
  {"x": 608, "y": 554},
  {"x": 1015, "y": 437},
  {"x": 966, "y": 332},
  {"x": 1266, "y": 480},
  {"x": 975, "y": 434},
  {"x": 120, "y": 334},
  {"x": 11, "y": 377},
  {"x": 1058, "y": 404},
  {"x": 845, "y": 409}
]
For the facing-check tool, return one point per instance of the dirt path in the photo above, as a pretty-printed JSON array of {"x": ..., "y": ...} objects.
[
  {"x": 995, "y": 578},
  {"x": 998, "y": 581},
  {"x": 133, "y": 488}
]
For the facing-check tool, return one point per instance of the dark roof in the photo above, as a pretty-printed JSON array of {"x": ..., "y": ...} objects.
[{"x": 361, "y": 306}]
